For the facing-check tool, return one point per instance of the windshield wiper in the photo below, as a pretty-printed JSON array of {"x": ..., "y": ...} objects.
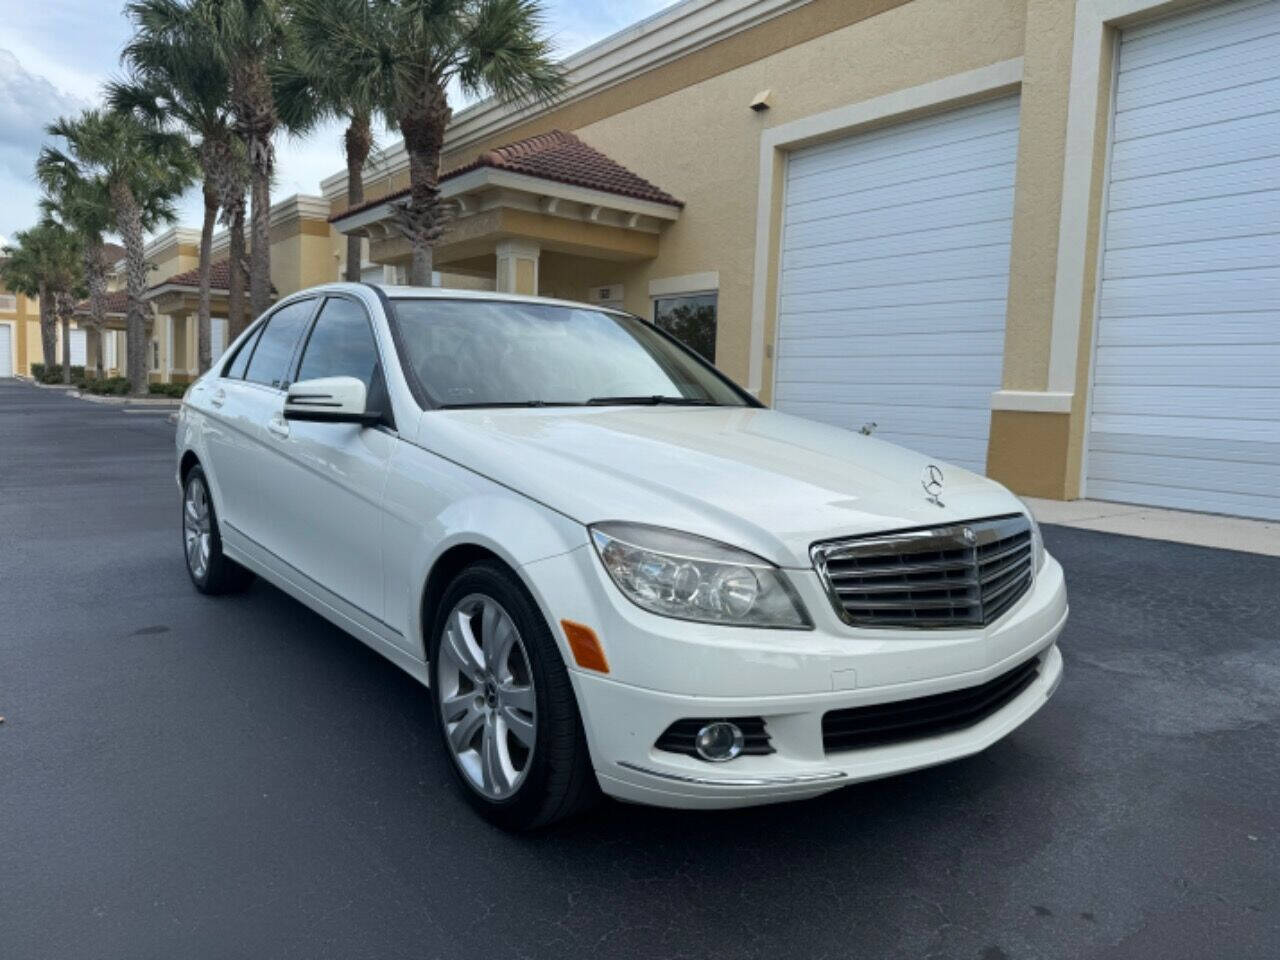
[
  {"x": 509, "y": 403},
  {"x": 653, "y": 400}
]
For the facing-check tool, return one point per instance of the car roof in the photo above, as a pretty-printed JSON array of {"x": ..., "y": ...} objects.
[{"x": 489, "y": 296}]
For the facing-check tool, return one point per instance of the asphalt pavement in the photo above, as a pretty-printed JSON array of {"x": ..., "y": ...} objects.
[{"x": 186, "y": 777}]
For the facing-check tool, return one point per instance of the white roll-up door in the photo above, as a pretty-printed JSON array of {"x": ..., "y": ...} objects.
[
  {"x": 79, "y": 348},
  {"x": 1186, "y": 384},
  {"x": 6, "y": 350},
  {"x": 895, "y": 271},
  {"x": 217, "y": 338}
]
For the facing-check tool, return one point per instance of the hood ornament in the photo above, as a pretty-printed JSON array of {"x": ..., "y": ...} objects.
[{"x": 931, "y": 481}]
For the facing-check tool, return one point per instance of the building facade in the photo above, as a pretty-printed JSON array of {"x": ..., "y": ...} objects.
[{"x": 1036, "y": 238}]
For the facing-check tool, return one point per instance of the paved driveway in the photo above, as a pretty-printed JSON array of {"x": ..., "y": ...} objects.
[{"x": 186, "y": 777}]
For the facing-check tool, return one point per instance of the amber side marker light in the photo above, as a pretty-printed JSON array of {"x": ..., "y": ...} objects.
[{"x": 585, "y": 646}]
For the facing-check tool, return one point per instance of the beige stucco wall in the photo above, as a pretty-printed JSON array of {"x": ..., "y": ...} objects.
[{"x": 712, "y": 158}]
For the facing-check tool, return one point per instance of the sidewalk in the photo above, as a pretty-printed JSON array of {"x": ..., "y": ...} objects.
[{"x": 1179, "y": 526}]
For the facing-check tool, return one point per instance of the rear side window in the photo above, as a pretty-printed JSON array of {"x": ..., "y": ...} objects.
[
  {"x": 235, "y": 369},
  {"x": 274, "y": 352},
  {"x": 341, "y": 344}
]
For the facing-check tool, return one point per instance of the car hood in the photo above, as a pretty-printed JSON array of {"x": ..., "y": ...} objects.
[{"x": 754, "y": 478}]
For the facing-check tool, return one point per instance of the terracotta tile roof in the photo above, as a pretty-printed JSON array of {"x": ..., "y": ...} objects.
[
  {"x": 219, "y": 278},
  {"x": 556, "y": 156},
  {"x": 219, "y": 282},
  {"x": 112, "y": 253},
  {"x": 117, "y": 302}
]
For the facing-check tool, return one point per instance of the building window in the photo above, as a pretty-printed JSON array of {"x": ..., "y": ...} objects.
[
  {"x": 691, "y": 319},
  {"x": 8, "y": 303},
  {"x": 155, "y": 354}
]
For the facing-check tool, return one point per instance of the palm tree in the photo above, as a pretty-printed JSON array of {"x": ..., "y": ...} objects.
[
  {"x": 176, "y": 81},
  {"x": 319, "y": 80},
  {"x": 84, "y": 207},
  {"x": 247, "y": 38},
  {"x": 406, "y": 53},
  {"x": 144, "y": 171},
  {"x": 45, "y": 262}
]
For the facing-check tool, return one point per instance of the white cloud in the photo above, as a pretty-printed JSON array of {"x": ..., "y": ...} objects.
[{"x": 28, "y": 101}]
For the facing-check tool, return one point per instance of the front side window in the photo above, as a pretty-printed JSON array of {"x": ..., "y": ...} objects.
[
  {"x": 691, "y": 320},
  {"x": 269, "y": 364},
  {"x": 497, "y": 353},
  {"x": 341, "y": 344}
]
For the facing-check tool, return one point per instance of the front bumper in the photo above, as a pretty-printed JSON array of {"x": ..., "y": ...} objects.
[{"x": 663, "y": 670}]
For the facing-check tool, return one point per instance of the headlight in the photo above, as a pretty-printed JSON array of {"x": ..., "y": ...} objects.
[
  {"x": 1037, "y": 541},
  {"x": 691, "y": 578}
]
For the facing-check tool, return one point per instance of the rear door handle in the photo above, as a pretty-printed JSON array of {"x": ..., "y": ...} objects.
[
  {"x": 279, "y": 426},
  {"x": 218, "y": 399}
]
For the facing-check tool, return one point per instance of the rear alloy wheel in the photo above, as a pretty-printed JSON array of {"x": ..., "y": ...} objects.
[
  {"x": 210, "y": 570},
  {"x": 508, "y": 714}
]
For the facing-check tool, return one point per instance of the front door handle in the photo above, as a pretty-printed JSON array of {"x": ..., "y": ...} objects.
[
  {"x": 279, "y": 426},
  {"x": 219, "y": 398}
]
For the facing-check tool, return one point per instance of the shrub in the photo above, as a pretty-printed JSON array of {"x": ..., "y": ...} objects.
[
  {"x": 168, "y": 389},
  {"x": 110, "y": 386},
  {"x": 52, "y": 373}
]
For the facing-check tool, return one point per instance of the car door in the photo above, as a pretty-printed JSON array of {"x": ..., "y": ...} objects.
[
  {"x": 228, "y": 433},
  {"x": 327, "y": 501},
  {"x": 251, "y": 469}
]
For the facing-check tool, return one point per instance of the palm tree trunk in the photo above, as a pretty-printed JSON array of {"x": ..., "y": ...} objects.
[
  {"x": 421, "y": 219},
  {"x": 204, "y": 332},
  {"x": 129, "y": 217},
  {"x": 237, "y": 320},
  {"x": 96, "y": 277},
  {"x": 48, "y": 328},
  {"x": 62, "y": 303},
  {"x": 358, "y": 142},
  {"x": 260, "y": 246}
]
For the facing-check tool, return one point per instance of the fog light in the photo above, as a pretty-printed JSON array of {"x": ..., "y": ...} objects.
[{"x": 718, "y": 741}]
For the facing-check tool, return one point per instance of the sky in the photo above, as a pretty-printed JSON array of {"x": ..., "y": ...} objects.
[{"x": 56, "y": 54}]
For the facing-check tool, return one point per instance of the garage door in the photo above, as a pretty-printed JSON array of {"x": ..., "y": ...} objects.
[
  {"x": 78, "y": 351},
  {"x": 1186, "y": 394},
  {"x": 895, "y": 267},
  {"x": 6, "y": 350}
]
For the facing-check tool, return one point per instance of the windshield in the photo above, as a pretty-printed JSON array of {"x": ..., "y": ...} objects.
[{"x": 481, "y": 353}]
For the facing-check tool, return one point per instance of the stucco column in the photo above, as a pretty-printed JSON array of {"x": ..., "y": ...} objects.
[{"x": 517, "y": 267}]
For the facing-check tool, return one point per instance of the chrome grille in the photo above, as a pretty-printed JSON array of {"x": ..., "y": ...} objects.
[{"x": 959, "y": 575}]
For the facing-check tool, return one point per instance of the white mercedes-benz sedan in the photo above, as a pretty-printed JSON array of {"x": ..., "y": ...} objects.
[{"x": 614, "y": 569}]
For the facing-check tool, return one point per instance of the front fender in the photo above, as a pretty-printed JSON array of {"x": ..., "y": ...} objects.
[{"x": 433, "y": 505}]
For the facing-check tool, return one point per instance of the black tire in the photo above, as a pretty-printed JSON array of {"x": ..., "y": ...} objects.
[
  {"x": 560, "y": 781},
  {"x": 220, "y": 575}
]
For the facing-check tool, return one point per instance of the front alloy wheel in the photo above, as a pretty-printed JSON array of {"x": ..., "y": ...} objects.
[
  {"x": 508, "y": 714},
  {"x": 487, "y": 700}
]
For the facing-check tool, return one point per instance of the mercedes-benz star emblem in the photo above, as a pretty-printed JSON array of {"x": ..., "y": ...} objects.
[
  {"x": 969, "y": 536},
  {"x": 931, "y": 480}
]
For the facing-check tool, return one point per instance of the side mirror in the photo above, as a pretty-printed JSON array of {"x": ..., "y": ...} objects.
[{"x": 329, "y": 400}]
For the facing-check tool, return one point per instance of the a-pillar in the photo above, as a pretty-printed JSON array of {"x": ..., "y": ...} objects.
[{"x": 517, "y": 267}]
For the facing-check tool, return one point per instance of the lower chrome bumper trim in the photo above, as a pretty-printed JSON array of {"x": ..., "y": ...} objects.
[{"x": 797, "y": 780}]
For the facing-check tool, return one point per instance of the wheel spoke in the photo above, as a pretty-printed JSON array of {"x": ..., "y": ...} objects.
[
  {"x": 518, "y": 698},
  {"x": 193, "y": 552},
  {"x": 455, "y": 706},
  {"x": 192, "y": 514},
  {"x": 495, "y": 778},
  {"x": 519, "y": 725},
  {"x": 460, "y": 649},
  {"x": 498, "y": 642},
  {"x": 460, "y": 737}
]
